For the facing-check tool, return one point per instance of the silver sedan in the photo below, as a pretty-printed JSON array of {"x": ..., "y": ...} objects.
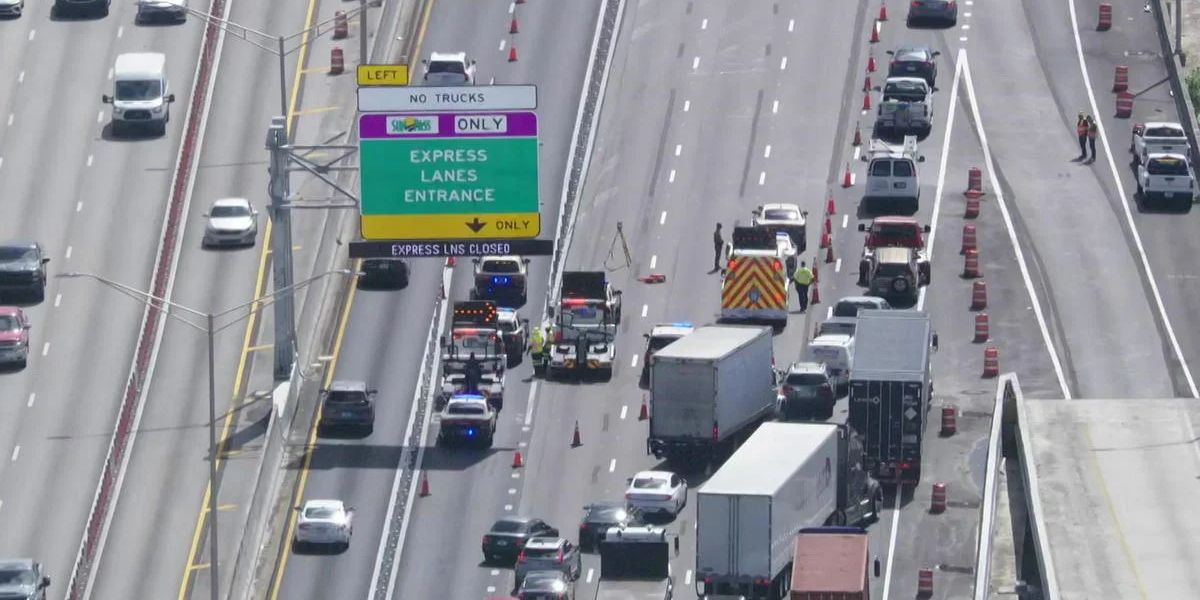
[
  {"x": 325, "y": 522},
  {"x": 231, "y": 222}
]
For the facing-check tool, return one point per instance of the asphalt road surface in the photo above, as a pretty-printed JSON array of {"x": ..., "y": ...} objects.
[{"x": 96, "y": 204}]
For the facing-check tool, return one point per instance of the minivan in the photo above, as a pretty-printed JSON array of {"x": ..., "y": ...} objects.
[{"x": 141, "y": 93}]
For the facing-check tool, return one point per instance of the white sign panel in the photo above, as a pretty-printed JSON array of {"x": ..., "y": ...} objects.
[{"x": 451, "y": 98}]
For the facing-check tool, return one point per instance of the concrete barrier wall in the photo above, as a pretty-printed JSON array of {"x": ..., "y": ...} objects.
[
  {"x": 1005, "y": 389},
  {"x": 1033, "y": 500}
]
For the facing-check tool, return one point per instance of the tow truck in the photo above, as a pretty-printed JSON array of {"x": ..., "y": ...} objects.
[
  {"x": 892, "y": 232},
  {"x": 1157, "y": 137},
  {"x": 660, "y": 337},
  {"x": 474, "y": 330},
  {"x": 585, "y": 325},
  {"x": 502, "y": 279},
  {"x": 467, "y": 418}
]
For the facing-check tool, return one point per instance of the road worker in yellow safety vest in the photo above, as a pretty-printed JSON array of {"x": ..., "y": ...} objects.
[
  {"x": 802, "y": 277},
  {"x": 539, "y": 342}
]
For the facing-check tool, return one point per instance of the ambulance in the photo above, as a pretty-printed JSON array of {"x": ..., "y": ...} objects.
[{"x": 755, "y": 282}]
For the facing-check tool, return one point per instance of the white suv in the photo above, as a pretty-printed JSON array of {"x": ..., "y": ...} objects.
[
  {"x": 893, "y": 179},
  {"x": 449, "y": 68}
]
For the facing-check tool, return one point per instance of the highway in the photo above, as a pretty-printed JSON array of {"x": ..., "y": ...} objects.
[
  {"x": 384, "y": 336},
  {"x": 96, "y": 204}
]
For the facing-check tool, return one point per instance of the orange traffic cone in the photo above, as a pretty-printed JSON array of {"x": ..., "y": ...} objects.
[
  {"x": 866, "y": 101},
  {"x": 875, "y": 33},
  {"x": 857, "y": 137},
  {"x": 451, "y": 261},
  {"x": 830, "y": 209},
  {"x": 575, "y": 441},
  {"x": 829, "y": 254},
  {"x": 424, "y": 484},
  {"x": 518, "y": 461},
  {"x": 512, "y": 27},
  {"x": 828, "y": 226},
  {"x": 883, "y": 11},
  {"x": 816, "y": 274},
  {"x": 816, "y": 295},
  {"x": 645, "y": 412},
  {"x": 847, "y": 178},
  {"x": 826, "y": 239},
  {"x": 867, "y": 84},
  {"x": 871, "y": 62},
  {"x": 512, "y": 54}
]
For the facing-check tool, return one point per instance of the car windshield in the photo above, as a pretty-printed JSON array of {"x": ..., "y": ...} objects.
[
  {"x": 138, "y": 90},
  {"x": 9, "y": 323},
  {"x": 229, "y": 211},
  {"x": 892, "y": 235},
  {"x": 320, "y": 512},
  {"x": 541, "y": 552},
  {"x": 446, "y": 66},
  {"x": 1167, "y": 166},
  {"x": 649, "y": 483},
  {"x": 806, "y": 379},
  {"x": 848, "y": 309},
  {"x": 1165, "y": 132},
  {"x": 902, "y": 168},
  {"x": 15, "y": 253},
  {"x": 843, "y": 328},
  {"x": 501, "y": 266},
  {"x": 658, "y": 343},
  {"x": 17, "y": 577},
  {"x": 347, "y": 398},
  {"x": 904, "y": 87},
  {"x": 509, "y": 527},
  {"x": 781, "y": 214},
  {"x": 466, "y": 408}
]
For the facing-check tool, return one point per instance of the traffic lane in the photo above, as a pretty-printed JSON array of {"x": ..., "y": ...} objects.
[
  {"x": 1030, "y": 129},
  {"x": 172, "y": 443},
  {"x": 471, "y": 486},
  {"x": 15, "y": 46},
  {"x": 384, "y": 343},
  {"x": 1169, "y": 245},
  {"x": 66, "y": 436}
]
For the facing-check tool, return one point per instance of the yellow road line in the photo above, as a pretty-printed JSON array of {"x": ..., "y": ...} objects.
[
  {"x": 286, "y": 549},
  {"x": 343, "y": 321}
]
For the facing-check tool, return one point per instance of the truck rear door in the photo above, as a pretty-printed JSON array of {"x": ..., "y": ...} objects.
[{"x": 890, "y": 417}]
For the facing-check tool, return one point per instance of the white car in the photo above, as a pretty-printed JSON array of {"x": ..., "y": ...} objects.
[
  {"x": 449, "y": 68},
  {"x": 231, "y": 221},
  {"x": 12, "y": 8},
  {"x": 657, "y": 491},
  {"x": 325, "y": 522}
]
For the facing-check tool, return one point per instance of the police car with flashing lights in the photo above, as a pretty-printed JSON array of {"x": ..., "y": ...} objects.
[
  {"x": 501, "y": 278},
  {"x": 467, "y": 418},
  {"x": 661, "y": 336}
]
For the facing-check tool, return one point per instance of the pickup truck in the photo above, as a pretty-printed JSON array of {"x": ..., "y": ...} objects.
[
  {"x": 501, "y": 278},
  {"x": 1166, "y": 177},
  {"x": 1157, "y": 137},
  {"x": 467, "y": 418},
  {"x": 906, "y": 109}
]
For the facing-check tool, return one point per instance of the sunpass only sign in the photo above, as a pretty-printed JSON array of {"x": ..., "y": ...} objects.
[{"x": 449, "y": 176}]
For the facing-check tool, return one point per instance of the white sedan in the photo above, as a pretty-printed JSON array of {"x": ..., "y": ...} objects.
[
  {"x": 657, "y": 491},
  {"x": 325, "y": 522},
  {"x": 231, "y": 221}
]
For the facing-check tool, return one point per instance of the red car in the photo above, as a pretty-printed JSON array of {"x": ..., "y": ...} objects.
[{"x": 14, "y": 336}]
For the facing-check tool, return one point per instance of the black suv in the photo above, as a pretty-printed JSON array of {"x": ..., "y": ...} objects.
[
  {"x": 914, "y": 61},
  {"x": 348, "y": 404},
  {"x": 390, "y": 273},
  {"x": 63, "y": 8},
  {"x": 23, "y": 270}
]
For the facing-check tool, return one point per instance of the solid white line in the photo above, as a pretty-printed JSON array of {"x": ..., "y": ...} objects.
[
  {"x": 32, "y": 398},
  {"x": 633, "y": 363},
  {"x": 695, "y": 63},
  {"x": 530, "y": 404},
  {"x": 678, "y": 149},
  {"x": 837, "y": 266},
  {"x": 783, "y": 64},
  {"x": 887, "y": 572},
  {"x": 653, "y": 261},
  {"x": 791, "y": 25},
  {"x": 57, "y": 300},
  {"x": 941, "y": 176},
  {"x": 612, "y": 465},
  {"x": 767, "y": 151},
  {"x": 1012, "y": 235},
  {"x": 671, "y": 178},
  {"x": 775, "y": 107},
  {"x": 1137, "y": 236},
  {"x": 591, "y": 573},
  {"x": 704, "y": 24},
  {"x": 45, "y": 348},
  {"x": 624, "y": 411},
  {"x": 845, "y": 221},
  {"x": 762, "y": 178},
  {"x": 16, "y": 453},
  {"x": 502, "y": 44},
  {"x": 662, "y": 220},
  {"x": 645, "y": 307}
]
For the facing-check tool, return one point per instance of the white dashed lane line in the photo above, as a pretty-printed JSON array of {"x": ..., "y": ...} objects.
[
  {"x": 783, "y": 64},
  {"x": 767, "y": 151},
  {"x": 69, "y": 249},
  {"x": 775, "y": 107},
  {"x": 612, "y": 465},
  {"x": 590, "y": 575},
  {"x": 57, "y": 300},
  {"x": 32, "y": 399},
  {"x": 695, "y": 63},
  {"x": 21, "y": 77},
  {"x": 653, "y": 262},
  {"x": 704, "y": 24},
  {"x": 662, "y": 220},
  {"x": 16, "y": 453},
  {"x": 11, "y": 116},
  {"x": 845, "y": 221},
  {"x": 837, "y": 266},
  {"x": 645, "y": 307},
  {"x": 687, "y": 105},
  {"x": 671, "y": 178},
  {"x": 100, "y": 117},
  {"x": 791, "y": 25},
  {"x": 78, "y": 206},
  {"x": 120, "y": 31},
  {"x": 512, "y": 7},
  {"x": 624, "y": 411},
  {"x": 32, "y": 34},
  {"x": 762, "y": 178},
  {"x": 89, "y": 161},
  {"x": 503, "y": 43},
  {"x": 678, "y": 149},
  {"x": 633, "y": 363},
  {"x": 46, "y": 348}
]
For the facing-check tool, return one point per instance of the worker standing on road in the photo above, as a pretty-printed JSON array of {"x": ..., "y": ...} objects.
[
  {"x": 1092, "y": 131},
  {"x": 473, "y": 373},
  {"x": 802, "y": 277},
  {"x": 537, "y": 340},
  {"x": 718, "y": 244},
  {"x": 1081, "y": 130}
]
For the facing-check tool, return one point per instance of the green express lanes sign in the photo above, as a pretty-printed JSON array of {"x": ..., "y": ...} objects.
[{"x": 449, "y": 176}]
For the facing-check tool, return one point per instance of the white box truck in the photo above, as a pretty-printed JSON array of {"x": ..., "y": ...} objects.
[
  {"x": 709, "y": 389},
  {"x": 786, "y": 477}
]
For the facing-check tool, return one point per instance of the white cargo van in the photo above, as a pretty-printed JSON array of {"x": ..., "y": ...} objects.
[
  {"x": 836, "y": 350},
  {"x": 141, "y": 94}
]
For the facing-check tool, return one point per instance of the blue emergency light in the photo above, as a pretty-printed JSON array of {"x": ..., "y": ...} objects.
[
  {"x": 681, "y": 324},
  {"x": 501, "y": 280}
]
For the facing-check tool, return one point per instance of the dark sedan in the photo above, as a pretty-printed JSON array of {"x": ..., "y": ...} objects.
[
  {"x": 389, "y": 273},
  {"x": 599, "y": 516},
  {"x": 944, "y": 11},
  {"x": 507, "y": 537}
]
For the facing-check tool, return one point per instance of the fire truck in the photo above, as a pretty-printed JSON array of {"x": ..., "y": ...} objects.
[
  {"x": 756, "y": 280},
  {"x": 474, "y": 331}
]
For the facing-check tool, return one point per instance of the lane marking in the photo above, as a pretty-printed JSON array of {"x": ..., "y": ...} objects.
[
  {"x": 503, "y": 43},
  {"x": 678, "y": 149},
  {"x": 69, "y": 248},
  {"x": 21, "y": 77},
  {"x": 887, "y": 573},
  {"x": 967, "y": 15},
  {"x": 10, "y": 119},
  {"x": 46, "y": 349},
  {"x": 512, "y": 491},
  {"x": 762, "y": 177},
  {"x": 687, "y": 105},
  {"x": 121, "y": 31},
  {"x": 775, "y": 107},
  {"x": 529, "y": 405},
  {"x": 783, "y": 64},
  {"x": 512, "y": 6},
  {"x": 645, "y": 307},
  {"x": 704, "y": 24},
  {"x": 837, "y": 266},
  {"x": 624, "y": 411},
  {"x": 662, "y": 220},
  {"x": 16, "y": 453},
  {"x": 89, "y": 160},
  {"x": 857, "y": 152},
  {"x": 633, "y": 363},
  {"x": 32, "y": 399},
  {"x": 687, "y": 577},
  {"x": 829, "y": 315},
  {"x": 79, "y": 206},
  {"x": 767, "y": 151},
  {"x": 57, "y": 300},
  {"x": 110, "y": 73},
  {"x": 612, "y": 465},
  {"x": 695, "y": 63},
  {"x": 100, "y": 117},
  {"x": 671, "y": 177},
  {"x": 32, "y": 33},
  {"x": 653, "y": 260},
  {"x": 315, "y": 111},
  {"x": 966, "y": 27},
  {"x": 962, "y": 39},
  {"x": 1137, "y": 236},
  {"x": 591, "y": 573},
  {"x": 791, "y": 25},
  {"x": 845, "y": 221}
]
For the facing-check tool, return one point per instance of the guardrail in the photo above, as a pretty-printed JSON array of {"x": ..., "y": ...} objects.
[
  {"x": 1175, "y": 74},
  {"x": 991, "y": 488}
]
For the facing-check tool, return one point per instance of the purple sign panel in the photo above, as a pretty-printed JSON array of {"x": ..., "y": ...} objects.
[{"x": 447, "y": 125}]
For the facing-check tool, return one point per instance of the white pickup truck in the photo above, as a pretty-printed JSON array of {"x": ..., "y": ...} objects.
[
  {"x": 1157, "y": 137},
  {"x": 1166, "y": 177},
  {"x": 906, "y": 109}
]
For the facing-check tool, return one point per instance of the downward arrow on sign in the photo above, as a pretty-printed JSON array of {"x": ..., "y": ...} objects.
[{"x": 476, "y": 225}]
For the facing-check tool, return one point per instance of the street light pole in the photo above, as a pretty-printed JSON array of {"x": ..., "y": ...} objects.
[{"x": 210, "y": 329}]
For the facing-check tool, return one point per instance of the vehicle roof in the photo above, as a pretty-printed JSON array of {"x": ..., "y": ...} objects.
[
  {"x": 636, "y": 533},
  {"x": 347, "y": 385},
  {"x": 144, "y": 64},
  {"x": 653, "y": 475},
  {"x": 841, "y": 320},
  {"x": 17, "y": 563},
  {"x": 505, "y": 312},
  {"x": 906, "y": 79},
  {"x": 872, "y": 300},
  {"x": 332, "y": 504},
  {"x": 447, "y": 57},
  {"x": 9, "y": 310},
  {"x": 711, "y": 342},
  {"x": 19, "y": 244},
  {"x": 893, "y": 254},
  {"x": 671, "y": 329},
  {"x": 836, "y": 339},
  {"x": 512, "y": 257},
  {"x": 544, "y": 542},
  {"x": 894, "y": 220},
  {"x": 514, "y": 519},
  {"x": 231, "y": 202},
  {"x": 808, "y": 367},
  {"x": 766, "y": 461},
  {"x": 1149, "y": 124},
  {"x": 885, "y": 343},
  {"x": 781, "y": 206},
  {"x": 911, "y": 52}
]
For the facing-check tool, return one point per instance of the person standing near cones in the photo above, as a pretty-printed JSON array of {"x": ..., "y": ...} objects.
[
  {"x": 802, "y": 277},
  {"x": 1081, "y": 131},
  {"x": 718, "y": 245},
  {"x": 1093, "y": 129}
]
